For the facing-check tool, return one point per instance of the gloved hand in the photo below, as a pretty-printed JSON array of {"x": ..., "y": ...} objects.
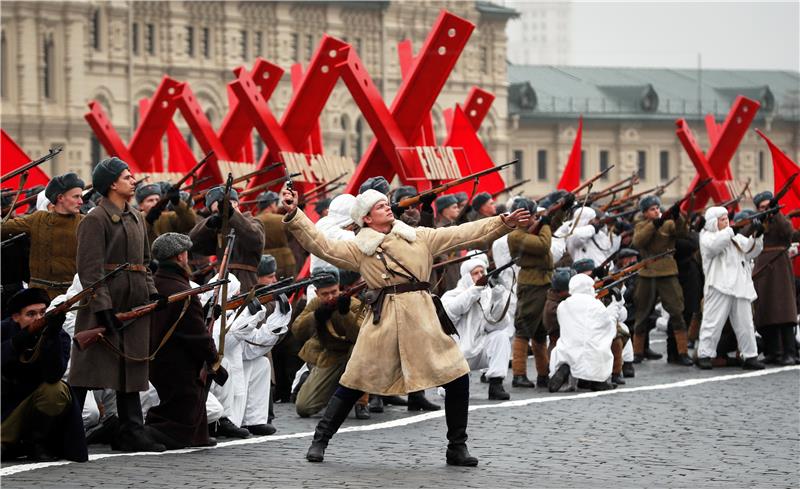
[
  {"x": 597, "y": 226},
  {"x": 427, "y": 202},
  {"x": 53, "y": 323},
  {"x": 599, "y": 272},
  {"x": 398, "y": 211},
  {"x": 615, "y": 294},
  {"x": 214, "y": 222},
  {"x": 773, "y": 202},
  {"x": 343, "y": 304},
  {"x": 23, "y": 340},
  {"x": 153, "y": 215},
  {"x": 545, "y": 219},
  {"x": 324, "y": 312},
  {"x": 217, "y": 310},
  {"x": 283, "y": 303},
  {"x": 482, "y": 282},
  {"x": 174, "y": 195},
  {"x": 699, "y": 223},
  {"x": 658, "y": 222},
  {"x": 619, "y": 226},
  {"x": 162, "y": 301},
  {"x": 758, "y": 227},
  {"x": 675, "y": 211},
  {"x": 220, "y": 376},
  {"x": 253, "y": 307},
  {"x": 107, "y": 318},
  {"x": 569, "y": 200}
]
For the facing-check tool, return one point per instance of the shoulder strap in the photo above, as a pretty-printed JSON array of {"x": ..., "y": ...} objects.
[{"x": 410, "y": 275}]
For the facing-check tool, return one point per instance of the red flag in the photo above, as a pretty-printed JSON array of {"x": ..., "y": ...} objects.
[
  {"x": 783, "y": 168},
  {"x": 571, "y": 178},
  {"x": 13, "y": 157}
]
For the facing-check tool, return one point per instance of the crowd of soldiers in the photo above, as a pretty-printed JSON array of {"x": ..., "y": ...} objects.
[{"x": 150, "y": 319}]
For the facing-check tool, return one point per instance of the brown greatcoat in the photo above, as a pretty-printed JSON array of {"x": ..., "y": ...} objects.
[
  {"x": 112, "y": 236},
  {"x": 651, "y": 241},
  {"x": 247, "y": 249},
  {"x": 276, "y": 243},
  {"x": 407, "y": 350},
  {"x": 181, "y": 220},
  {"x": 54, "y": 244},
  {"x": 773, "y": 276}
]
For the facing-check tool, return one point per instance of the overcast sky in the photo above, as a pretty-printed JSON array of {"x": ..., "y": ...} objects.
[{"x": 758, "y": 35}]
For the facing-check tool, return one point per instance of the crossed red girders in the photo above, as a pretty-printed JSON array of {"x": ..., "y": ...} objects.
[{"x": 724, "y": 140}]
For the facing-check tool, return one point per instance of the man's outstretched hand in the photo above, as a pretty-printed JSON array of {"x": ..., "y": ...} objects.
[{"x": 519, "y": 217}]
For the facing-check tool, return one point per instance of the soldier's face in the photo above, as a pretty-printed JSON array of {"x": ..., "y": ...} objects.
[
  {"x": 763, "y": 205},
  {"x": 71, "y": 200},
  {"x": 653, "y": 212},
  {"x": 722, "y": 222},
  {"x": 328, "y": 294},
  {"x": 477, "y": 273},
  {"x": 267, "y": 279},
  {"x": 29, "y": 314},
  {"x": 451, "y": 212},
  {"x": 125, "y": 184},
  {"x": 488, "y": 209},
  {"x": 149, "y": 202},
  {"x": 379, "y": 215}
]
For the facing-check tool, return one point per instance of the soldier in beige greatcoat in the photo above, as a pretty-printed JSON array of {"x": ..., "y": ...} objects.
[{"x": 401, "y": 346}]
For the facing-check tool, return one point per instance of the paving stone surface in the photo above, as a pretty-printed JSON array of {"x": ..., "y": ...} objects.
[{"x": 669, "y": 426}]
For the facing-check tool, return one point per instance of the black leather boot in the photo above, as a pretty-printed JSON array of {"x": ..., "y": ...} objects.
[
  {"x": 496, "y": 391},
  {"x": 335, "y": 413},
  {"x": 752, "y": 363},
  {"x": 558, "y": 378},
  {"x": 418, "y": 402},
  {"x": 456, "y": 407},
  {"x": 361, "y": 411},
  {"x": 617, "y": 379},
  {"x": 394, "y": 401},
  {"x": 628, "y": 371},
  {"x": 704, "y": 363},
  {"x": 131, "y": 436},
  {"x": 226, "y": 428},
  {"x": 521, "y": 381},
  {"x": 789, "y": 345},
  {"x": 375, "y": 404},
  {"x": 36, "y": 446},
  {"x": 261, "y": 429}
]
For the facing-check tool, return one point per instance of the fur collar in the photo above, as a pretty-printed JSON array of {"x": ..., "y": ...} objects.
[{"x": 368, "y": 239}]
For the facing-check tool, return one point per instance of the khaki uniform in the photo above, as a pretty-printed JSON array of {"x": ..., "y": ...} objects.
[
  {"x": 276, "y": 243},
  {"x": 246, "y": 253},
  {"x": 327, "y": 355},
  {"x": 536, "y": 269},
  {"x": 407, "y": 350},
  {"x": 181, "y": 220},
  {"x": 108, "y": 237},
  {"x": 659, "y": 278},
  {"x": 54, "y": 244}
]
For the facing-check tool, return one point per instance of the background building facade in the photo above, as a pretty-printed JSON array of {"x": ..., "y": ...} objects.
[{"x": 541, "y": 34}]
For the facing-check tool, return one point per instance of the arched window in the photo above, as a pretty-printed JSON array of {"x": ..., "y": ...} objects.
[
  {"x": 48, "y": 57},
  {"x": 96, "y": 29},
  {"x": 4, "y": 67}
]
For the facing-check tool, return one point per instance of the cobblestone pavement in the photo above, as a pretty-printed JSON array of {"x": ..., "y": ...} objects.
[{"x": 669, "y": 426}]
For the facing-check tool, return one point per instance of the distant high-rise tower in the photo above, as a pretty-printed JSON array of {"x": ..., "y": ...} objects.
[{"x": 541, "y": 34}]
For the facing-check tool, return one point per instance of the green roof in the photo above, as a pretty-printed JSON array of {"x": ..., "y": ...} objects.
[
  {"x": 541, "y": 92},
  {"x": 493, "y": 9}
]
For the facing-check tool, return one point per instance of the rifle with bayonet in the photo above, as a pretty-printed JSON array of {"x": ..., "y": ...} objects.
[
  {"x": 758, "y": 215},
  {"x": 409, "y": 201},
  {"x": 606, "y": 289},
  {"x": 631, "y": 268},
  {"x": 85, "y": 339},
  {"x": 510, "y": 188},
  {"x": 264, "y": 186},
  {"x": 24, "y": 168}
]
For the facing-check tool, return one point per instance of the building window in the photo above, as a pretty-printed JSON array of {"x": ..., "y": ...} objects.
[
  {"x": 604, "y": 163},
  {"x": 309, "y": 46},
  {"x": 4, "y": 67},
  {"x": 484, "y": 59},
  {"x": 641, "y": 164},
  {"x": 541, "y": 164},
  {"x": 47, "y": 72},
  {"x": 258, "y": 46},
  {"x": 150, "y": 38},
  {"x": 95, "y": 150},
  {"x": 245, "y": 54},
  {"x": 96, "y": 29},
  {"x": 190, "y": 41},
  {"x": 663, "y": 165},
  {"x": 761, "y": 172},
  {"x": 205, "y": 43},
  {"x": 293, "y": 47},
  {"x": 135, "y": 38},
  {"x": 583, "y": 164},
  {"x": 518, "y": 155}
]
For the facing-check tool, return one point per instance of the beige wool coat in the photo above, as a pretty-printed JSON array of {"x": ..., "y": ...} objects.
[{"x": 407, "y": 351}]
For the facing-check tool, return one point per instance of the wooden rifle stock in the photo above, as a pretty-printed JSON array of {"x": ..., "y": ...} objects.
[
  {"x": 537, "y": 223},
  {"x": 758, "y": 215},
  {"x": 631, "y": 268},
  {"x": 264, "y": 186},
  {"x": 24, "y": 168},
  {"x": 510, "y": 188},
  {"x": 591, "y": 180},
  {"x": 605, "y": 290}
]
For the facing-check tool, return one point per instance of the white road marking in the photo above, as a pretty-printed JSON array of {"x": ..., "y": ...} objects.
[{"x": 16, "y": 469}]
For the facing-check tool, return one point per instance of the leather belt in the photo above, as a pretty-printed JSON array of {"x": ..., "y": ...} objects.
[
  {"x": 50, "y": 284},
  {"x": 129, "y": 268},
  {"x": 375, "y": 297},
  {"x": 241, "y": 266},
  {"x": 774, "y": 248}
]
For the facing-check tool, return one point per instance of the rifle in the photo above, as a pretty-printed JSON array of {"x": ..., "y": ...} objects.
[
  {"x": 264, "y": 186},
  {"x": 734, "y": 201},
  {"x": 85, "y": 339},
  {"x": 615, "y": 187},
  {"x": 200, "y": 195},
  {"x": 605, "y": 290},
  {"x": 594, "y": 197},
  {"x": 537, "y": 223},
  {"x": 163, "y": 201},
  {"x": 223, "y": 267},
  {"x": 20, "y": 203},
  {"x": 510, "y": 188},
  {"x": 790, "y": 215},
  {"x": 239, "y": 299},
  {"x": 621, "y": 215},
  {"x": 24, "y": 168},
  {"x": 786, "y": 186},
  {"x": 677, "y": 205},
  {"x": 268, "y": 294},
  {"x": 497, "y": 271},
  {"x": 589, "y": 182},
  {"x": 633, "y": 197},
  {"x": 320, "y": 188},
  {"x": 316, "y": 196},
  {"x": 10, "y": 241},
  {"x": 749, "y": 219},
  {"x": 631, "y": 268},
  {"x": 409, "y": 201}
]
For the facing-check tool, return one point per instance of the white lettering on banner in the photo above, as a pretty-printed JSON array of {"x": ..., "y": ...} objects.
[
  {"x": 438, "y": 162},
  {"x": 235, "y": 168},
  {"x": 317, "y": 167}
]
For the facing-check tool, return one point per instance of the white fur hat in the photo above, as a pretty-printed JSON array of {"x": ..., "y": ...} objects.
[
  {"x": 712, "y": 215},
  {"x": 364, "y": 203}
]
